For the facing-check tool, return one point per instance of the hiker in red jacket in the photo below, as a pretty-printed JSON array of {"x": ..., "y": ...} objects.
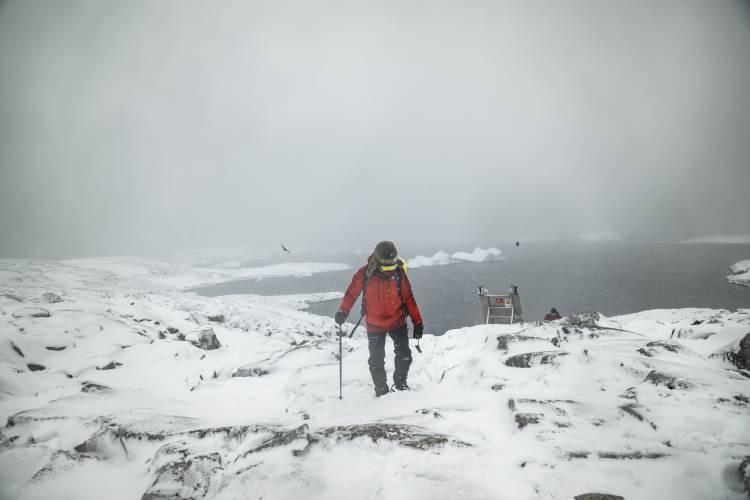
[{"x": 386, "y": 301}]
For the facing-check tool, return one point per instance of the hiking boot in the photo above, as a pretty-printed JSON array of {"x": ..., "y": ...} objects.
[
  {"x": 400, "y": 387},
  {"x": 381, "y": 391}
]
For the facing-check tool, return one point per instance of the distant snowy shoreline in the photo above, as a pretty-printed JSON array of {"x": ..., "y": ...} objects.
[
  {"x": 720, "y": 239},
  {"x": 441, "y": 258}
]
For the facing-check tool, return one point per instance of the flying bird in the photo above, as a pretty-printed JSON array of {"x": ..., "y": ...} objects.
[{"x": 285, "y": 248}]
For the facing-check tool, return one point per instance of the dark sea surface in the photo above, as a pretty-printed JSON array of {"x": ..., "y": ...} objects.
[{"x": 612, "y": 278}]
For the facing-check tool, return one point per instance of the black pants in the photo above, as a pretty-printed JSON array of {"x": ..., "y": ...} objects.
[{"x": 376, "y": 345}]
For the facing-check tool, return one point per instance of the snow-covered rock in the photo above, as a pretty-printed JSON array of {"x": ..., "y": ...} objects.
[
  {"x": 204, "y": 339},
  {"x": 632, "y": 406},
  {"x": 740, "y": 273}
]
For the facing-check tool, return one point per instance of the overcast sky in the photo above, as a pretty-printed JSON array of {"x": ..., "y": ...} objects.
[{"x": 150, "y": 127}]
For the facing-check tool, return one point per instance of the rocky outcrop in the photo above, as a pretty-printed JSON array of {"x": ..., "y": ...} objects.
[
  {"x": 598, "y": 496},
  {"x": 51, "y": 298},
  {"x": 658, "y": 347},
  {"x": 410, "y": 436},
  {"x": 109, "y": 366},
  {"x": 583, "y": 320},
  {"x": 205, "y": 339},
  {"x": 31, "y": 312},
  {"x": 250, "y": 371},
  {"x": 529, "y": 359},
  {"x": 60, "y": 462},
  {"x": 634, "y": 410},
  {"x": 659, "y": 378},
  {"x": 216, "y": 318},
  {"x": 187, "y": 478},
  {"x": 617, "y": 455}
]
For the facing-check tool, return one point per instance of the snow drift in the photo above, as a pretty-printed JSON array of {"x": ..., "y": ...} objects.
[{"x": 443, "y": 258}]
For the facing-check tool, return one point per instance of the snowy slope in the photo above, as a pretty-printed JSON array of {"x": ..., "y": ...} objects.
[{"x": 104, "y": 395}]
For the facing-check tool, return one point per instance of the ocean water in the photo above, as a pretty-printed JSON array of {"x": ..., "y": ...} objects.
[{"x": 612, "y": 278}]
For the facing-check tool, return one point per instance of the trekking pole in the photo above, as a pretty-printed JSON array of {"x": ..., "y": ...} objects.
[{"x": 341, "y": 365}]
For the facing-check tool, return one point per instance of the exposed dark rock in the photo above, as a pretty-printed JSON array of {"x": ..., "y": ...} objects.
[
  {"x": 93, "y": 388},
  {"x": 630, "y": 455},
  {"x": 633, "y": 410},
  {"x": 659, "y": 347},
  {"x": 162, "y": 336},
  {"x": 216, "y": 318},
  {"x": 406, "y": 435},
  {"x": 206, "y": 339},
  {"x": 745, "y": 473},
  {"x": 250, "y": 371},
  {"x": 428, "y": 411},
  {"x": 31, "y": 312},
  {"x": 524, "y": 419},
  {"x": 172, "y": 330},
  {"x": 12, "y": 297},
  {"x": 51, "y": 298},
  {"x": 281, "y": 438},
  {"x": 529, "y": 359},
  {"x": 660, "y": 378},
  {"x": 109, "y": 366},
  {"x": 583, "y": 320},
  {"x": 35, "y": 367},
  {"x": 187, "y": 478},
  {"x": 726, "y": 354},
  {"x": 617, "y": 455},
  {"x": 598, "y": 496},
  {"x": 742, "y": 358},
  {"x": 630, "y": 393},
  {"x": 742, "y": 399},
  {"x": 497, "y": 387},
  {"x": 504, "y": 340},
  {"x": 17, "y": 349},
  {"x": 55, "y": 347}
]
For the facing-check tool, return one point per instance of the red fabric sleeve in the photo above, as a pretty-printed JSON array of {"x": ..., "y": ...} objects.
[
  {"x": 411, "y": 304},
  {"x": 355, "y": 288}
]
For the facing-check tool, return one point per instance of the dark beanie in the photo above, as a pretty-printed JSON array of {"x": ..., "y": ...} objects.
[{"x": 386, "y": 253}]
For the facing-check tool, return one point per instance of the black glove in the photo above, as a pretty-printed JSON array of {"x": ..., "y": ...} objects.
[
  {"x": 340, "y": 317},
  {"x": 418, "y": 330}
]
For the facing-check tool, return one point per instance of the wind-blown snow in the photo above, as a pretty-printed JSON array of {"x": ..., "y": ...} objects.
[
  {"x": 740, "y": 273},
  {"x": 443, "y": 258},
  {"x": 601, "y": 237},
  {"x": 721, "y": 239},
  {"x": 101, "y": 398}
]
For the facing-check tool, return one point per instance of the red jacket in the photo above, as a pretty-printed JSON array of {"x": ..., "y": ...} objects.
[{"x": 384, "y": 308}]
